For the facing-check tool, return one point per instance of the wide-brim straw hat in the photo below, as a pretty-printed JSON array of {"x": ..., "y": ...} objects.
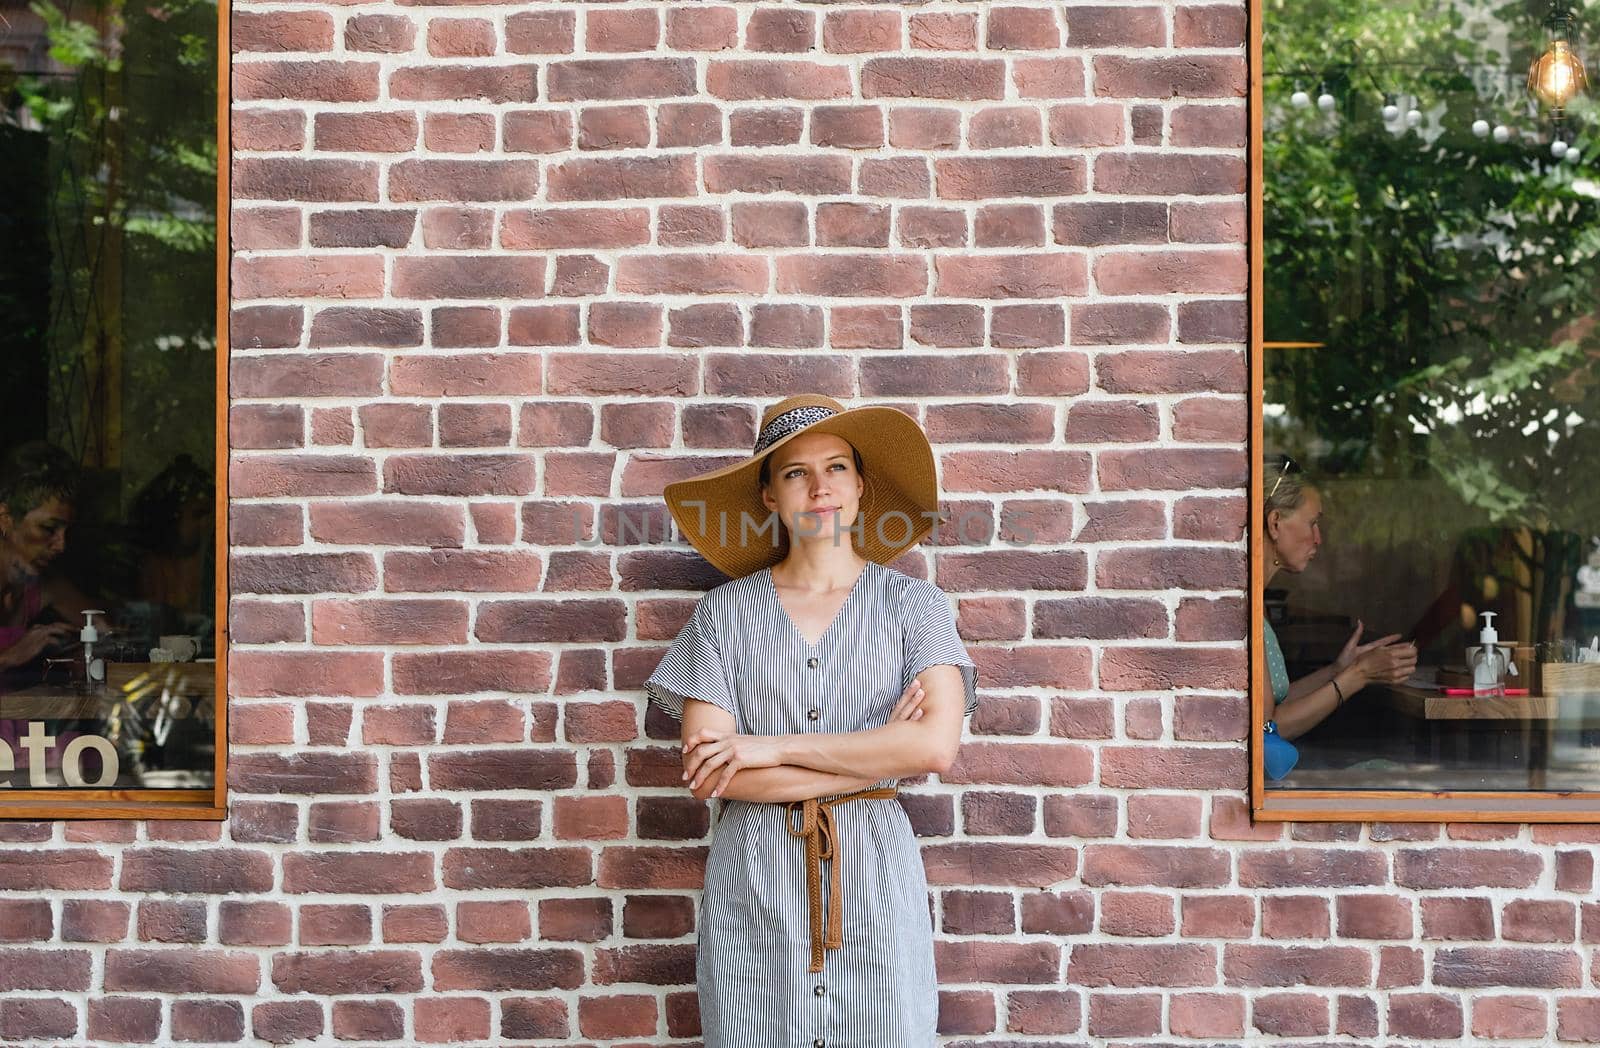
[{"x": 899, "y": 504}]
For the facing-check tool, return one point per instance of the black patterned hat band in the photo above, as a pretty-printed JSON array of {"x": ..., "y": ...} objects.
[{"x": 788, "y": 422}]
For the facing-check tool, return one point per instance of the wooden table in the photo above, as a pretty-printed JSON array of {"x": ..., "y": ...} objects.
[
  {"x": 1531, "y": 716},
  {"x": 1430, "y": 704},
  {"x": 194, "y": 680}
]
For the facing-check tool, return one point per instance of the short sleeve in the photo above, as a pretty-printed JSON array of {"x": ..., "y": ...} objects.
[
  {"x": 691, "y": 669},
  {"x": 932, "y": 640}
]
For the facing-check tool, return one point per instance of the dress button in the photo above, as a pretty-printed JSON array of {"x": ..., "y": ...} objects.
[
  {"x": 812, "y": 714},
  {"x": 819, "y": 990},
  {"x": 819, "y": 1043},
  {"x": 812, "y": 662}
]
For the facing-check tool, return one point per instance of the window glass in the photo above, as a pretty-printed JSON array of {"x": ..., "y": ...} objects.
[
  {"x": 1431, "y": 371},
  {"x": 108, "y": 182}
]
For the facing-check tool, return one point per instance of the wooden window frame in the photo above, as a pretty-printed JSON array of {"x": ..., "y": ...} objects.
[
  {"x": 49, "y": 805},
  {"x": 1269, "y": 805}
]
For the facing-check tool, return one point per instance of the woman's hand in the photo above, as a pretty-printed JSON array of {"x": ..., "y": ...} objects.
[
  {"x": 708, "y": 749},
  {"x": 34, "y": 642},
  {"x": 1353, "y": 648},
  {"x": 909, "y": 708},
  {"x": 1389, "y": 664},
  {"x": 712, "y": 751}
]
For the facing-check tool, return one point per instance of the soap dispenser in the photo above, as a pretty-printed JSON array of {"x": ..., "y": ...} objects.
[{"x": 1490, "y": 662}]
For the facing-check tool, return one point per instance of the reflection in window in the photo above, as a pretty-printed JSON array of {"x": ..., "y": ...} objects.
[
  {"x": 1431, "y": 368},
  {"x": 108, "y": 165}
]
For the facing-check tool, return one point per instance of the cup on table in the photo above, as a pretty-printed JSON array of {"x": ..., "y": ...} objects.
[{"x": 183, "y": 647}]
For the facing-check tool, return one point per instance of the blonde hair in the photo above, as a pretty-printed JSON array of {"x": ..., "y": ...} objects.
[{"x": 1285, "y": 491}]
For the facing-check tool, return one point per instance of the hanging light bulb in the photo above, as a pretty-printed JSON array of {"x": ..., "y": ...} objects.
[
  {"x": 1413, "y": 118},
  {"x": 1391, "y": 112},
  {"x": 1299, "y": 99},
  {"x": 1502, "y": 134},
  {"x": 1480, "y": 128},
  {"x": 1558, "y": 149},
  {"x": 1326, "y": 102},
  {"x": 1557, "y": 74}
]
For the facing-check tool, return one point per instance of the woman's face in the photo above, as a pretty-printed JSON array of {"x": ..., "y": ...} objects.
[
  {"x": 1299, "y": 533},
  {"x": 813, "y": 483},
  {"x": 38, "y": 536}
]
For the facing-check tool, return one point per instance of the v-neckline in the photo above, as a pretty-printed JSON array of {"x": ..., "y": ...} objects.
[{"x": 772, "y": 587}]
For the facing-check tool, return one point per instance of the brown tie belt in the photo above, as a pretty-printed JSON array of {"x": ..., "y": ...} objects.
[{"x": 822, "y": 844}]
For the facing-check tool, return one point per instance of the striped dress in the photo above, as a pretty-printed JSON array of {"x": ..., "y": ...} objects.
[{"x": 741, "y": 651}]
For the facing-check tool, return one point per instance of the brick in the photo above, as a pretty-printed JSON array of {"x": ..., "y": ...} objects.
[
  {"x": 1260, "y": 965},
  {"x": 496, "y": 83},
  {"x": 844, "y": 275},
  {"x": 622, "y": 178},
  {"x": 1089, "y": 26},
  {"x": 1221, "y": 25},
  {"x": 1466, "y": 868},
  {"x": 265, "y": 229},
  {"x": 1021, "y": 28},
  {"x": 952, "y": 78},
  {"x": 1034, "y": 275},
  {"x": 362, "y": 227},
  {"x": 861, "y": 32},
  {"x": 1170, "y": 272},
  {"x": 1168, "y": 174},
  {"x": 1086, "y": 125},
  {"x": 738, "y": 80},
  {"x": 1058, "y": 77},
  {"x": 458, "y": 133},
  {"x": 268, "y": 130},
  {"x": 943, "y": 32},
  {"x": 1218, "y": 126},
  {"x": 1206, "y": 1015},
  {"x": 975, "y": 178},
  {"x": 388, "y": 34},
  {"x": 529, "y": 131},
  {"x": 1004, "y": 127},
  {"x": 610, "y": 79},
  {"x": 306, "y": 81},
  {"x": 1430, "y": 1016},
  {"x": 540, "y": 32},
  {"x": 315, "y": 276},
  {"x": 1186, "y": 76},
  {"x": 702, "y": 28},
  {"x": 1510, "y": 1016},
  {"x": 847, "y": 127},
  {"x": 689, "y": 274},
  {"x": 616, "y": 31},
  {"x": 1126, "y": 965},
  {"x": 417, "y": 180},
  {"x": 785, "y": 31}
]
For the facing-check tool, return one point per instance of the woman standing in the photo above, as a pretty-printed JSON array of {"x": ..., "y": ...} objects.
[{"x": 807, "y": 686}]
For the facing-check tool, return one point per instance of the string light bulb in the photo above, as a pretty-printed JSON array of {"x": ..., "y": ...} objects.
[{"x": 1557, "y": 74}]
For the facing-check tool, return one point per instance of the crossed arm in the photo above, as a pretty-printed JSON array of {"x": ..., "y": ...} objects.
[{"x": 922, "y": 735}]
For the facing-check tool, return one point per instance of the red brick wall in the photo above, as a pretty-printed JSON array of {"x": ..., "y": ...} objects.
[{"x": 507, "y": 268}]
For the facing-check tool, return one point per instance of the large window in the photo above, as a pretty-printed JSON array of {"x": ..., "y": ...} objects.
[
  {"x": 1427, "y": 368},
  {"x": 110, "y": 473}
]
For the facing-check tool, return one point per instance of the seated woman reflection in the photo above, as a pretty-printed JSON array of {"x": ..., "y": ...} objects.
[
  {"x": 1292, "y": 526},
  {"x": 173, "y": 524},
  {"x": 38, "y": 613}
]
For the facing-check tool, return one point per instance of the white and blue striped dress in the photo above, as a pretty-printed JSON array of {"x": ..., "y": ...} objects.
[{"x": 741, "y": 651}]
